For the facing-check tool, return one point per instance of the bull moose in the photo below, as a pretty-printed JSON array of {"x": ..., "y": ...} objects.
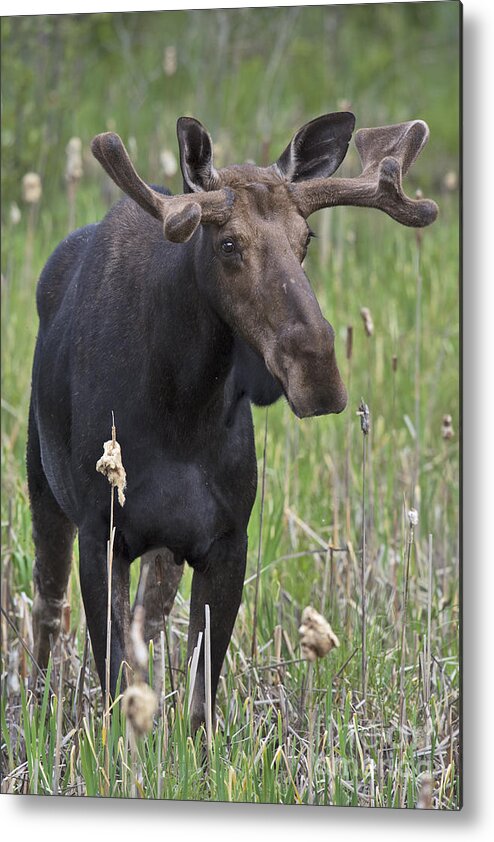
[{"x": 176, "y": 313}]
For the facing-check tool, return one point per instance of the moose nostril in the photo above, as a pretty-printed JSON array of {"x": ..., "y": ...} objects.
[{"x": 306, "y": 339}]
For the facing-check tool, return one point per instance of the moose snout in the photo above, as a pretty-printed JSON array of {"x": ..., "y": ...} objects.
[{"x": 304, "y": 361}]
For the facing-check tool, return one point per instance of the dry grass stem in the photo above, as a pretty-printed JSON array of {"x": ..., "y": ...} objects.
[
  {"x": 139, "y": 653},
  {"x": 194, "y": 662},
  {"x": 412, "y": 523},
  {"x": 259, "y": 549},
  {"x": 363, "y": 412},
  {"x": 207, "y": 677}
]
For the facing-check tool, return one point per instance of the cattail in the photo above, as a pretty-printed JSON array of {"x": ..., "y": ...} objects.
[
  {"x": 73, "y": 175},
  {"x": 73, "y": 169},
  {"x": 364, "y": 413},
  {"x": 394, "y": 363},
  {"x": 349, "y": 342},
  {"x": 14, "y": 213},
  {"x": 31, "y": 194},
  {"x": 139, "y": 704},
  {"x": 413, "y": 518},
  {"x": 111, "y": 466},
  {"x": 317, "y": 638},
  {"x": 367, "y": 320},
  {"x": 447, "y": 430},
  {"x": 344, "y": 104},
  {"x": 450, "y": 180},
  {"x": 31, "y": 188},
  {"x": 168, "y": 163},
  {"x": 170, "y": 61},
  {"x": 132, "y": 144}
]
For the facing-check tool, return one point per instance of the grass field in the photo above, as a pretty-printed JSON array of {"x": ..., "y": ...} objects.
[{"x": 287, "y": 732}]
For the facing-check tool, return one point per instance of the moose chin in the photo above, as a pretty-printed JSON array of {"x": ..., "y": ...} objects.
[{"x": 176, "y": 313}]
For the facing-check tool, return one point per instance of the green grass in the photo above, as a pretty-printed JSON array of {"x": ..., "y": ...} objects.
[{"x": 270, "y": 727}]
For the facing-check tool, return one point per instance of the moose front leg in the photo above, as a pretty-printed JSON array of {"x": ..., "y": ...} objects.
[
  {"x": 218, "y": 583},
  {"x": 94, "y": 587}
]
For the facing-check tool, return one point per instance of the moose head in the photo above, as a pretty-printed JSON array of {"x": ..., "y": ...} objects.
[{"x": 250, "y": 227}]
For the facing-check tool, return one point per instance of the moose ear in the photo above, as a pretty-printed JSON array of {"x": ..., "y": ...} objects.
[
  {"x": 196, "y": 156},
  {"x": 318, "y": 148}
]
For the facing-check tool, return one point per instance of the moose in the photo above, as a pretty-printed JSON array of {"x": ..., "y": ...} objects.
[{"x": 176, "y": 313}]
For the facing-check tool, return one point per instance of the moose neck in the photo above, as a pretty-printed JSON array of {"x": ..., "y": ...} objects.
[{"x": 193, "y": 347}]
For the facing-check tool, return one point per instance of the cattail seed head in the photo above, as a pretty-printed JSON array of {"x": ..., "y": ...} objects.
[
  {"x": 447, "y": 430},
  {"x": 317, "y": 638},
  {"x": 344, "y": 104},
  {"x": 132, "y": 144},
  {"x": 14, "y": 213},
  {"x": 394, "y": 363},
  {"x": 367, "y": 320},
  {"x": 168, "y": 163},
  {"x": 364, "y": 413},
  {"x": 450, "y": 180},
  {"x": 170, "y": 61},
  {"x": 73, "y": 170},
  {"x": 413, "y": 518},
  {"x": 31, "y": 188},
  {"x": 349, "y": 342},
  {"x": 139, "y": 704},
  {"x": 111, "y": 466}
]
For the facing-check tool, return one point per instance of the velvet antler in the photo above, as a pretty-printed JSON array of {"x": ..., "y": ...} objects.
[
  {"x": 180, "y": 214},
  {"x": 386, "y": 154}
]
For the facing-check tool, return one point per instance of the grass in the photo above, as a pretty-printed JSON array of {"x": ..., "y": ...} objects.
[{"x": 284, "y": 735}]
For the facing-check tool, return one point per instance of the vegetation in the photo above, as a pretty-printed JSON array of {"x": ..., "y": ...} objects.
[{"x": 288, "y": 732}]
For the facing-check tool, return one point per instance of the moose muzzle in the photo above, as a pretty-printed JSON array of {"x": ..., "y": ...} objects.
[{"x": 304, "y": 362}]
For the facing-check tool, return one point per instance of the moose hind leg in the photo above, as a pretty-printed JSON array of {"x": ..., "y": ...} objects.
[
  {"x": 158, "y": 584},
  {"x": 53, "y": 535}
]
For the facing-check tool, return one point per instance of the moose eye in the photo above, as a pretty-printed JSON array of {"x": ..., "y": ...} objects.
[
  {"x": 310, "y": 236},
  {"x": 228, "y": 246}
]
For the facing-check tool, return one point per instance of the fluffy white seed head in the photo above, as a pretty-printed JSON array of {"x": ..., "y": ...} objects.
[{"x": 31, "y": 188}]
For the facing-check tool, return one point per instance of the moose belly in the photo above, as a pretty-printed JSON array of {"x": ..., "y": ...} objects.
[{"x": 185, "y": 507}]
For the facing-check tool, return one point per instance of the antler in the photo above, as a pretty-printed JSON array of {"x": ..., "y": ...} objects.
[
  {"x": 386, "y": 154},
  {"x": 180, "y": 214}
]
